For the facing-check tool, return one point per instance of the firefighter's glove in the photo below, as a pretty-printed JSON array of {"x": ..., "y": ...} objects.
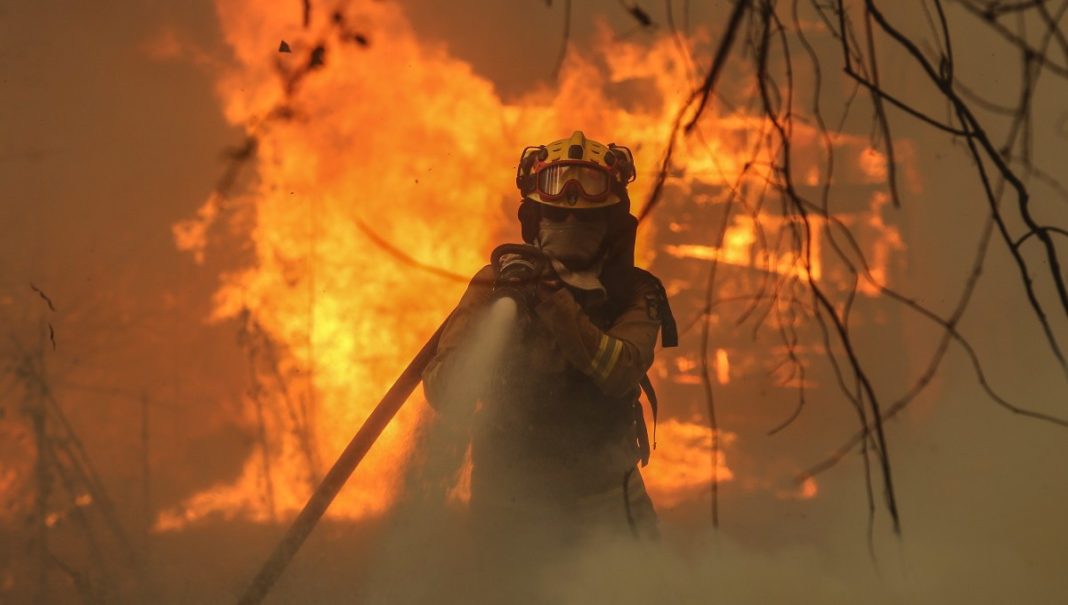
[
  {"x": 516, "y": 278},
  {"x": 517, "y": 271}
]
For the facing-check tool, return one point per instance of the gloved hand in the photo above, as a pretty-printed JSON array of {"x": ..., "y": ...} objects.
[{"x": 519, "y": 269}]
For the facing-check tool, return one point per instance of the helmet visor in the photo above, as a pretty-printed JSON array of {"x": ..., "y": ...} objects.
[{"x": 591, "y": 179}]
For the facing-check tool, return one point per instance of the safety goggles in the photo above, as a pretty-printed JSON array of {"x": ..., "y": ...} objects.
[{"x": 585, "y": 178}]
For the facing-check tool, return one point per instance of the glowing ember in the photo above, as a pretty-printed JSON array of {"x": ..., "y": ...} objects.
[
  {"x": 807, "y": 490},
  {"x": 723, "y": 367},
  {"x": 16, "y": 477},
  {"x": 872, "y": 163}
]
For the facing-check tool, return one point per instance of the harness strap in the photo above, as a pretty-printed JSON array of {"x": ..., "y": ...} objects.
[
  {"x": 650, "y": 394},
  {"x": 669, "y": 330},
  {"x": 642, "y": 432}
]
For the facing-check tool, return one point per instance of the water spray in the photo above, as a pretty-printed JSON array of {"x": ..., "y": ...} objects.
[{"x": 519, "y": 269}]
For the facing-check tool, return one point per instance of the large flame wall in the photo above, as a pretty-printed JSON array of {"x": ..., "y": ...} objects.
[{"x": 369, "y": 142}]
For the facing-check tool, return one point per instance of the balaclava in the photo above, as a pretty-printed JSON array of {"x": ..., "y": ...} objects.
[{"x": 576, "y": 249}]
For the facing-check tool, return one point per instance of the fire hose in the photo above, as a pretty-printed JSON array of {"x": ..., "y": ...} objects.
[
  {"x": 335, "y": 479},
  {"x": 523, "y": 266}
]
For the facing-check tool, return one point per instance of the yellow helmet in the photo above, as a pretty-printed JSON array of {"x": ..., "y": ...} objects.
[{"x": 575, "y": 173}]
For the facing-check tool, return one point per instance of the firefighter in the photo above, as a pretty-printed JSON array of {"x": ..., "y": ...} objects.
[{"x": 558, "y": 430}]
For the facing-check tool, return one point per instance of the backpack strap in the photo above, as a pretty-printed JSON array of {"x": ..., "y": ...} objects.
[
  {"x": 640, "y": 428},
  {"x": 669, "y": 331},
  {"x": 641, "y": 431},
  {"x": 650, "y": 394},
  {"x": 669, "y": 337}
]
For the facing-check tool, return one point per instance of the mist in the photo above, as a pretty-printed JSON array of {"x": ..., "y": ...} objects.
[{"x": 181, "y": 381}]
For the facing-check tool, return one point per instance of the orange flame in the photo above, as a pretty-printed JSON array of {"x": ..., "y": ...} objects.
[
  {"x": 399, "y": 136},
  {"x": 682, "y": 464},
  {"x": 723, "y": 367}
]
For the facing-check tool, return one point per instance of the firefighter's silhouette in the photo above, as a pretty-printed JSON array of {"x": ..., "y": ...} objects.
[{"x": 558, "y": 431}]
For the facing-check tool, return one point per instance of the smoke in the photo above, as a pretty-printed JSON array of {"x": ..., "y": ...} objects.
[
  {"x": 434, "y": 551},
  {"x": 427, "y": 537},
  {"x": 699, "y": 566},
  {"x": 157, "y": 396},
  {"x": 706, "y": 568},
  {"x": 434, "y": 560},
  {"x": 953, "y": 552}
]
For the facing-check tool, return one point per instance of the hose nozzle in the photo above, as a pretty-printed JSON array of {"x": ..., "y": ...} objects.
[{"x": 518, "y": 268}]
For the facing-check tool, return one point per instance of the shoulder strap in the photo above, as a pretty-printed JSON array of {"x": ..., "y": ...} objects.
[
  {"x": 650, "y": 394},
  {"x": 669, "y": 337},
  {"x": 639, "y": 419},
  {"x": 669, "y": 331}
]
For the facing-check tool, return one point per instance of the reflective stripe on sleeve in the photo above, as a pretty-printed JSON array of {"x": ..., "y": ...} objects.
[
  {"x": 606, "y": 357},
  {"x": 595, "y": 361},
  {"x": 610, "y": 363}
]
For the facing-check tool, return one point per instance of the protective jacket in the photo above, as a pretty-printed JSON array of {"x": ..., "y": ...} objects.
[{"x": 559, "y": 424}]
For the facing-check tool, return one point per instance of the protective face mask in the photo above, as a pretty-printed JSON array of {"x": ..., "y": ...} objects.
[
  {"x": 574, "y": 247},
  {"x": 575, "y": 243}
]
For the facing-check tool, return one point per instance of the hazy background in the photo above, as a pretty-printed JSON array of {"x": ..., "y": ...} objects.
[{"x": 104, "y": 146}]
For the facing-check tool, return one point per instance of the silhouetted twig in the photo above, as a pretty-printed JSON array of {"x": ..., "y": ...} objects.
[
  {"x": 565, "y": 40},
  {"x": 733, "y": 24}
]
